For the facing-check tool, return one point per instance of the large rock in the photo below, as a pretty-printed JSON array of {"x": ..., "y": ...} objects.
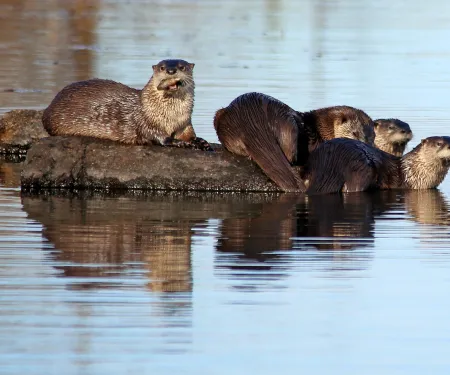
[
  {"x": 87, "y": 163},
  {"x": 19, "y": 129}
]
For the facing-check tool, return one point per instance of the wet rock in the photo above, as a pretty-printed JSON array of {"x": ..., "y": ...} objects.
[
  {"x": 87, "y": 163},
  {"x": 19, "y": 129}
]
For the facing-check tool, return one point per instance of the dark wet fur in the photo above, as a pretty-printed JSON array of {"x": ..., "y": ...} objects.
[
  {"x": 349, "y": 165},
  {"x": 275, "y": 136},
  {"x": 266, "y": 130}
]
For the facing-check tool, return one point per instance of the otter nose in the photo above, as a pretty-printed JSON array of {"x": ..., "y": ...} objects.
[{"x": 171, "y": 70}]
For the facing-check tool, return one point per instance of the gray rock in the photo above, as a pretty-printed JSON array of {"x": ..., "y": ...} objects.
[
  {"x": 87, "y": 163},
  {"x": 19, "y": 129}
]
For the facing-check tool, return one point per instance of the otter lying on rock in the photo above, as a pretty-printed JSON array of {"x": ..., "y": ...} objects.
[
  {"x": 160, "y": 113},
  {"x": 349, "y": 165},
  {"x": 392, "y": 135},
  {"x": 275, "y": 136}
]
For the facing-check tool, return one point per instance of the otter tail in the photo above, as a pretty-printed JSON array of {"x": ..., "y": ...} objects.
[{"x": 269, "y": 156}]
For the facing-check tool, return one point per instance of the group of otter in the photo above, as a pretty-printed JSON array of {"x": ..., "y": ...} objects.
[{"x": 326, "y": 150}]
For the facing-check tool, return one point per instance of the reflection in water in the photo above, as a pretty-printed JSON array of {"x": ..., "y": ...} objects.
[
  {"x": 107, "y": 242},
  {"x": 431, "y": 209},
  {"x": 91, "y": 242},
  {"x": 10, "y": 174},
  {"x": 343, "y": 221},
  {"x": 295, "y": 222},
  {"x": 427, "y": 206},
  {"x": 258, "y": 231}
]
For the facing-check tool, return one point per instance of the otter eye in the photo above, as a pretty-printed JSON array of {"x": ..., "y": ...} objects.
[
  {"x": 182, "y": 68},
  {"x": 162, "y": 68},
  {"x": 391, "y": 127},
  {"x": 439, "y": 144}
]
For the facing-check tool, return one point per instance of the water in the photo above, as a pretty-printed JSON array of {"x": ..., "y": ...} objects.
[{"x": 171, "y": 283}]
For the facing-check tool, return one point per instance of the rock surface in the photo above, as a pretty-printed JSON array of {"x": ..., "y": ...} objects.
[
  {"x": 19, "y": 129},
  {"x": 87, "y": 163}
]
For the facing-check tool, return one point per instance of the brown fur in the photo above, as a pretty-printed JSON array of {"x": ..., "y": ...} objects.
[
  {"x": 266, "y": 130},
  {"x": 348, "y": 165},
  {"x": 275, "y": 136},
  {"x": 392, "y": 135},
  {"x": 338, "y": 122},
  {"x": 159, "y": 113}
]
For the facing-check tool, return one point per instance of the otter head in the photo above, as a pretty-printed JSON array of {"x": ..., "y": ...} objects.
[
  {"x": 436, "y": 148},
  {"x": 353, "y": 123},
  {"x": 172, "y": 76},
  {"x": 392, "y": 131}
]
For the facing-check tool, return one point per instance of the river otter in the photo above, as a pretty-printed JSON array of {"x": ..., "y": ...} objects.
[
  {"x": 392, "y": 135},
  {"x": 275, "y": 136},
  {"x": 160, "y": 113},
  {"x": 349, "y": 165}
]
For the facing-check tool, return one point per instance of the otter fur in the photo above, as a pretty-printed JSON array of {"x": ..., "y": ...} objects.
[
  {"x": 276, "y": 136},
  {"x": 392, "y": 135},
  {"x": 349, "y": 165},
  {"x": 160, "y": 113}
]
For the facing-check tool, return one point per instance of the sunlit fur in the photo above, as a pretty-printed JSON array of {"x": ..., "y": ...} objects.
[
  {"x": 349, "y": 165},
  {"x": 275, "y": 136},
  {"x": 110, "y": 110},
  {"x": 340, "y": 122},
  {"x": 392, "y": 135},
  {"x": 427, "y": 164}
]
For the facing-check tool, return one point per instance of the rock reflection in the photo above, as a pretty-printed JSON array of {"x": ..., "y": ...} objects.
[
  {"x": 107, "y": 237},
  {"x": 10, "y": 173}
]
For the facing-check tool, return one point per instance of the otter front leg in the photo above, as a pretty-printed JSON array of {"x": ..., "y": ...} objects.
[{"x": 188, "y": 135}]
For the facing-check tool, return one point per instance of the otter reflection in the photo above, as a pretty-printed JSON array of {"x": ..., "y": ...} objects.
[
  {"x": 331, "y": 222},
  {"x": 101, "y": 237},
  {"x": 427, "y": 206},
  {"x": 431, "y": 209}
]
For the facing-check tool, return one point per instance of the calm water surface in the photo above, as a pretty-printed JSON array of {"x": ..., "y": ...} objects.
[{"x": 170, "y": 283}]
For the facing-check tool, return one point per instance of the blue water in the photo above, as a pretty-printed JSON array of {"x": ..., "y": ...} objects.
[{"x": 200, "y": 283}]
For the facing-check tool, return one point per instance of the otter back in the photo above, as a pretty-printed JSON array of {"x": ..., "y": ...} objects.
[
  {"x": 266, "y": 130},
  {"x": 96, "y": 108},
  {"x": 348, "y": 165}
]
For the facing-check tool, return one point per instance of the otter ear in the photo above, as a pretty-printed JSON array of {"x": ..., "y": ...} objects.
[
  {"x": 341, "y": 120},
  {"x": 423, "y": 141},
  {"x": 376, "y": 124},
  {"x": 191, "y": 65},
  {"x": 154, "y": 67}
]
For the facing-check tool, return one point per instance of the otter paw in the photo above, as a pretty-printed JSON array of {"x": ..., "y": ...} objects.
[
  {"x": 172, "y": 142},
  {"x": 201, "y": 144}
]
